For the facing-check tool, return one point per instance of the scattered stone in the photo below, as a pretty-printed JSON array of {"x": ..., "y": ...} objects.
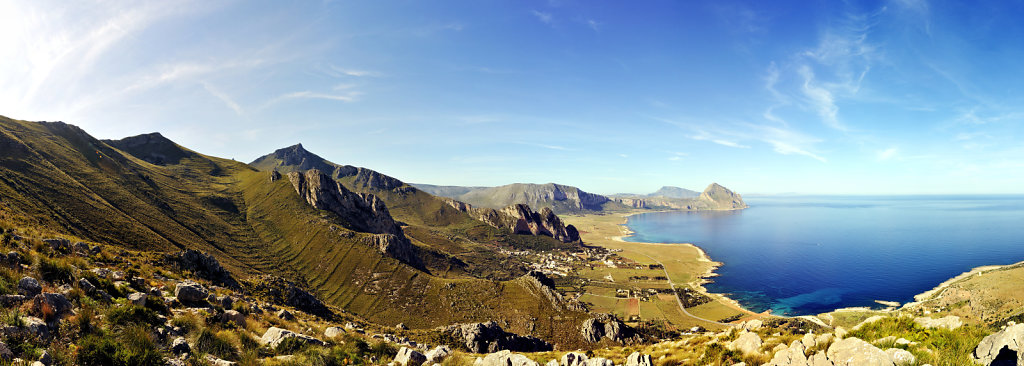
[
  {"x": 747, "y": 342},
  {"x": 840, "y": 332},
  {"x": 350, "y": 326},
  {"x": 409, "y": 357},
  {"x": 204, "y": 265},
  {"x": 117, "y": 275},
  {"x": 5, "y": 353},
  {"x": 752, "y": 324},
  {"x": 789, "y": 356},
  {"x": 332, "y": 332},
  {"x": 45, "y": 358},
  {"x": 574, "y": 359},
  {"x": 218, "y": 362},
  {"x": 808, "y": 340},
  {"x": 137, "y": 298},
  {"x": 903, "y": 342},
  {"x": 438, "y": 354},
  {"x": 190, "y": 292},
  {"x": 36, "y": 327},
  {"x": 13, "y": 259},
  {"x": 62, "y": 246},
  {"x": 101, "y": 272},
  {"x": 155, "y": 292},
  {"x": 81, "y": 249},
  {"x": 950, "y": 322},
  {"x": 901, "y": 357},
  {"x": 401, "y": 326},
  {"x": 1003, "y": 346},
  {"x": 599, "y": 361},
  {"x": 51, "y": 306},
  {"x": 275, "y": 335},
  {"x": 638, "y": 359},
  {"x": 288, "y": 293},
  {"x": 286, "y": 315},
  {"x": 234, "y": 316},
  {"x": 856, "y": 352},
  {"x": 11, "y": 300},
  {"x": 29, "y": 286},
  {"x": 225, "y": 301}
]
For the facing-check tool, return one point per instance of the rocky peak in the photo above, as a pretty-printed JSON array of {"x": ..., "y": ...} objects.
[
  {"x": 152, "y": 148},
  {"x": 721, "y": 198}
]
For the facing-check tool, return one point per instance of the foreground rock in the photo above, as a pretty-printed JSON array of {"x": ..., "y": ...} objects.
[
  {"x": 282, "y": 292},
  {"x": 274, "y": 336},
  {"x": 638, "y": 359},
  {"x": 505, "y": 358},
  {"x": 204, "y": 265},
  {"x": 409, "y": 357},
  {"x": 438, "y": 354},
  {"x": 747, "y": 342},
  {"x": 489, "y": 337},
  {"x": 1003, "y": 347},
  {"x": 856, "y": 352},
  {"x": 51, "y": 306}
]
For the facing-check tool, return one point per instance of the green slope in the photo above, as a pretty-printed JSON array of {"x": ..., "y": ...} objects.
[{"x": 56, "y": 176}]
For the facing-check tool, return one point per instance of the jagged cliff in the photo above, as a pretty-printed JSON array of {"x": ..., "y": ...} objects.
[
  {"x": 296, "y": 158},
  {"x": 714, "y": 197},
  {"x": 361, "y": 212},
  {"x": 521, "y": 219},
  {"x": 560, "y": 198}
]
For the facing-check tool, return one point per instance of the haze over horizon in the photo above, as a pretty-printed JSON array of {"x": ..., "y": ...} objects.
[{"x": 866, "y": 97}]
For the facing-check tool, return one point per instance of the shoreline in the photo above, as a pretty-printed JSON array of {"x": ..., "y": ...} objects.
[
  {"x": 927, "y": 295},
  {"x": 698, "y": 284}
]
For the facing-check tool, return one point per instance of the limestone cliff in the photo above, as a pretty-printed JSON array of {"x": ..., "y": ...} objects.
[
  {"x": 718, "y": 197},
  {"x": 560, "y": 198},
  {"x": 296, "y": 158},
  {"x": 360, "y": 212},
  {"x": 521, "y": 219}
]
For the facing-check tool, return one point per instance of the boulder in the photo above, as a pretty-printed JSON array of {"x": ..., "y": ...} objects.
[
  {"x": 213, "y": 360},
  {"x": 11, "y": 300},
  {"x": 856, "y": 352},
  {"x": 867, "y": 321},
  {"x": 275, "y": 335},
  {"x": 285, "y": 314},
  {"x": 573, "y": 359},
  {"x": 284, "y": 292},
  {"x": 599, "y": 361},
  {"x": 747, "y": 343},
  {"x": 409, "y": 357},
  {"x": 234, "y": 316},
  {"x": 438, "y": 354},
  {"x": 332, "y": 332},
  {"x": 505, "y": 358},
  {"x": 180, "y": 346},
  {"x": 204, "y": 265},
  {"x": 819, "y": 359},
  {"x": 86, "y": 286},
  {"x": 190, "y": 292},
  {"x": 100, "y": 272},
  {"x": 29, "y": 286},
  {"x": 489, "y": 337},
  {"x": 36, "y": 327},
  {"x": 62, "y": 246},
  {"x": 1003, "y": 346},
  {"x": 950, "y": 322},
  {"x": 638, "y": 359},
  {"x": 45, "y": 358},
  {"x": 5, "y": 352},
  {"x": 901, "y": 356},
  {"x": 81, "y": 249},
  {"x": 13, "y": 259},
  {"x": 752, "y": 324},
  {"x": 808, "y": 340},
  {"x": 225, "y": 301},
  {"x": 51, "y": 306},
  {"x": 137, "y": 298},
  {"x": 790, "y": 356}
]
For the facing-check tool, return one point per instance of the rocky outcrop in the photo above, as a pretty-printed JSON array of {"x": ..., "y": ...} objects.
[
  {"x": 409, "y": 357},
  {"x": 537, "y": 281},
  {"x": 520, "y": 219},
  {"x": 190, "y": 292},
  {"x": 283, "y": 292},
  {"x": 295, "y": 158},
  {"x": 606, "y": 326},
  {"x": 747, "y": 343},
  {"x": 638, "y": 359},
  {"x": 489, "y": 337},
  {"x": 152, "y": 148},
  {"x": 846, "y": 352},
  {"x": 1005, "y": 347},
  {"x": 358, "y": 212},
  {"x": 204, "y": 265},
  {"x": 29, "y": 287}
]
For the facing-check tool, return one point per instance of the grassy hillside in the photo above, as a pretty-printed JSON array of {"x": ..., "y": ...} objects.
[{"x": 54, "y": 175}]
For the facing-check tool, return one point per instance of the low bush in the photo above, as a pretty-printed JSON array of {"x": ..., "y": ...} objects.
[
  {"x": 133, "y": 346},
  {"x": 217, "y": 344},
  {"x": 132, "y": 315},
  {"x": 55, "y": 270}
]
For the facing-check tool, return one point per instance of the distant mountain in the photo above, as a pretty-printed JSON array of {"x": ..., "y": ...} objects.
[
  {"x": 557, "y": 197},
  {"x": 674, "y": 192},
  {"x": 568, "y": 199}
]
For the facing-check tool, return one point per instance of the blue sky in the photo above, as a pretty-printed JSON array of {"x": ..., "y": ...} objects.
[{"x": 883, "y": 97}]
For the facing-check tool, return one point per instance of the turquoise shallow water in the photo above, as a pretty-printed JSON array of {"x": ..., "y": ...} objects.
[{"x": 799, "y": 255}]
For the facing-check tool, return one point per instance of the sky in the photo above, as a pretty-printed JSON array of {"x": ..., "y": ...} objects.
[{"x": 812, "y": 97}]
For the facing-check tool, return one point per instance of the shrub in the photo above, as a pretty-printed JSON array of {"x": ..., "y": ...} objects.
[
  {"x": 188, "y": 322},
  {"x": 55, "y": 270},
  {"x": 217, "y": 344},
  {"x": 132, "y": 314},
  {"x": 134, "y": 346},
  {"x": 290, "y": 346}
]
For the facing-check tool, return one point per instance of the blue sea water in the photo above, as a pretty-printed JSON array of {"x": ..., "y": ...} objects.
[{"x": 799, "y": 255}]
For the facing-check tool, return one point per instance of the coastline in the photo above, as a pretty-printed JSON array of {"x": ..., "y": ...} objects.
[
  {"x": 963, "y": 276},
  {"x": 698, "y": 284}
]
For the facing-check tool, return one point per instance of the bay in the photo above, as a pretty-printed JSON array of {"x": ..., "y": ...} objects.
[{"x": 800, "y": 255}]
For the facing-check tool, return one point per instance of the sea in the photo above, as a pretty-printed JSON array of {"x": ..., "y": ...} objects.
[{"x": 803, "y": 255}]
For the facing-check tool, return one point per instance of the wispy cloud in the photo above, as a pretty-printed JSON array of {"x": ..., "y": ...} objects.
[
  {"x": 887, "y": 154},
  {"x": 228, "y": 101},
  {"x": 546, "y": 18},
  {"x": 821, "y": 99},
  {"x": 338, "y": 71},
  {"x": 783, "y": 140},
  {"x": 593, "y": 24},
  {"x": 546, "y": 146}
]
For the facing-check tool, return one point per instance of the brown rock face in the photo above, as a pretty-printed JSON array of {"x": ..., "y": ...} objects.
[
  {"x": 359, "y": 212},
  {"x": 520, "y": 219}
]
